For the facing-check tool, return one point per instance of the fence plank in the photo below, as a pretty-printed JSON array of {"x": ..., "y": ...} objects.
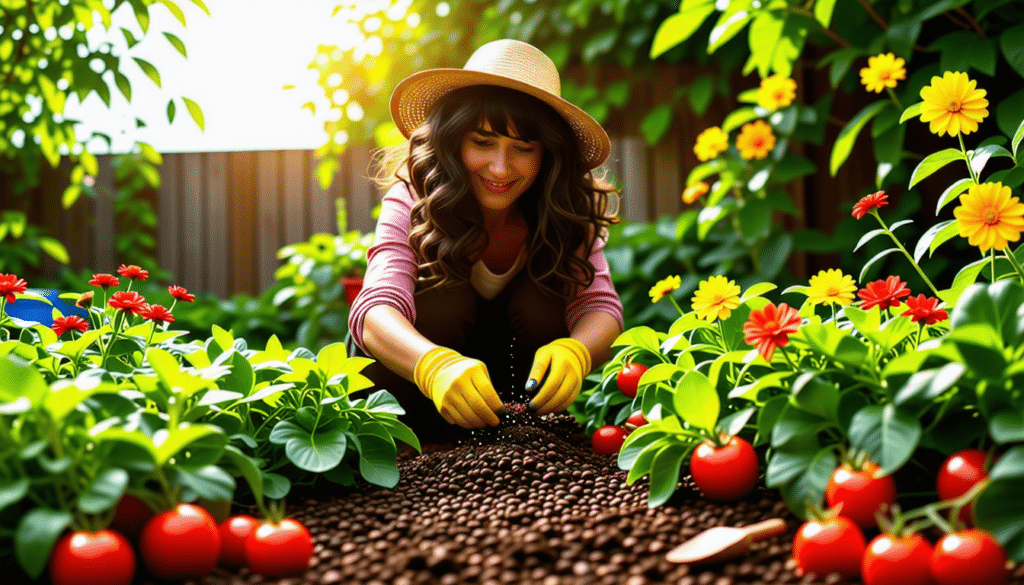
[
  {"x": 295, "y": 211},
  {"x": 216, "y": 229},
  {"x": 321, "y": 201},
  {"x": 103, "y": 215},
  {"x": 242, "y": 226},
  {"x": 635, "y": 179},
  {"x": 191, "y": 192},
  {"x": 360, "y": 193},
  {"x": 169, "y": 238},
  {"x": 268, "y": 213}
]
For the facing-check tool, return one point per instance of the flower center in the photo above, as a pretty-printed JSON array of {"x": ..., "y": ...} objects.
[
  {"x": 779, "y": 95},
  {"x": 884, "y": 76},
  {"x": 990, "y": 217},
  {"x": 770, "y": 325},
  {"x": 954, "y": 107}
]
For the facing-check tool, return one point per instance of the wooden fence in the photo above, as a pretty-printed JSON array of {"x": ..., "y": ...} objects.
[{"x": 224, "y": 215}]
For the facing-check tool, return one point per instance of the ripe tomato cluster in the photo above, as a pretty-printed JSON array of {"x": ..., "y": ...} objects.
[
  {"x": 608, "y": 439},
  {"x": 184, "y": 542},
  {"x": 835, "y": 543}
]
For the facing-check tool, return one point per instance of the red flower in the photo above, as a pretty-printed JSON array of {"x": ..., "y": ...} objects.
[
  {"x": 85, "y": 300},
  {"x": 11, "y": 284},
  {"x": 883, "y": 293},
  {"x": 133, "y": 272},
  {"x": 157, "y": 313},
  {"x": 64, "y": 324},
  {"x": 770, "y": 327},
  {"x": 181, "y": 294},
  {"x": 104, "y": 280},
  {"x": 127, "y": 302},
  {"x": 925, "y": 309},
  {"x": 866, "y": 204}
]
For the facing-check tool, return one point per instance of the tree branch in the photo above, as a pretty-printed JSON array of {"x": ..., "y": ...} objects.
[
  {"x": 839, "y": 40},
  {"x": 974, "y": 23},
  {"x": 874, "y": 15}
]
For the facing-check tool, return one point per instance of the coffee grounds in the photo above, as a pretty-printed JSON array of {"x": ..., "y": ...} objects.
[{"x": 528, "y": 502}]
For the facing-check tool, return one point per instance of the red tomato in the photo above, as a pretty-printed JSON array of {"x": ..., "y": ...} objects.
[
  {"x": 279, "y": 549},
  {"x": 180, "y": 543},
  {"x": 893, "y": 560},
  {"x": 92, "y": 558},
  {"x": 130, "y": 516},
  {"x": 861, "y": 492},
  {"x": 628, "y": 378},
  {"x": 969, "y": 557},
  {"x": 608, "y": 439},
  {"x": 958, "y": 474},
  {"x": 635, "y": 421},
  {"x": 829, "y": 545},
  {"x": 233, "y": 533},
  {"x": 726, "y": 473}
]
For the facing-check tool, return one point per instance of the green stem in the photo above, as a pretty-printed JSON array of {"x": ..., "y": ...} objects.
[
  {"x": 963, "y": 149},
  {"x": 113, "y": 336},
  {"x": 1016, "y": 264},
  {"x": 674, "y": 303},
  {"x": 896, "y": 100},
  {"x": 785, "y": 354},
  {"x": 992, "y": 254},
  {"x": 892, "y": 236}
]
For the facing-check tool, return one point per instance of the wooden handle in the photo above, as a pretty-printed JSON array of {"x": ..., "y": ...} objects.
[{"x": 766, "y": 528}]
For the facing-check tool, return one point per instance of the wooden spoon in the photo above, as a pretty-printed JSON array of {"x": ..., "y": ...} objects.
[{"x": 720, "y": 543}]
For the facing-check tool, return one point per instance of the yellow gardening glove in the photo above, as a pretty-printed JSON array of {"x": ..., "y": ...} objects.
[
  {"x": 459, "y": 386},
  {"x": 565, "y": 362}
]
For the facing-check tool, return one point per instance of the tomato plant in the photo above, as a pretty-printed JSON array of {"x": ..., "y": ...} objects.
[
  {"x": 180, "y": 543},
  {"x": 628, "y": 378},
  {"x": 958, "y": 474},
  {"x": 233, "y": 533},
  {"x": 276, "y": 549},
  {"x": 897, "y": 560},
  {"x": 861, "y": 492},
  {"x": 968, "y": 557},
  {"x": 726, "y": 472},
  {"x": 635, "y": 421},
  {"x": 130, "y": 516},
  {"x": 608, "y": 439},
  {"x": 833, "y": 544},
  {"x": 103, "y": 557}
]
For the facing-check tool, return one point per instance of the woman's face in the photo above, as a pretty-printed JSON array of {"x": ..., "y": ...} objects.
[{"x": 501, "y": 169}]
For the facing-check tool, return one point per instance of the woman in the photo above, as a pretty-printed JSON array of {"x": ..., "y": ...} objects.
[{"x": 487, "y": 273}]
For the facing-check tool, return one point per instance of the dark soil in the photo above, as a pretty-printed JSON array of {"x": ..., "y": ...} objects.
[{"x": 528, "y": 503}]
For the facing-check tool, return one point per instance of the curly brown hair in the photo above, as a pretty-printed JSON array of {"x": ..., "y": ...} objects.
[{"x": 566, "y": 208}]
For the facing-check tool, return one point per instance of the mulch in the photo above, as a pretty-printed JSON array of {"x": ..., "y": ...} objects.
[{"x": 527, "y": 503}]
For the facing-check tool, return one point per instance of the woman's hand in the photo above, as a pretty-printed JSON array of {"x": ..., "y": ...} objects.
[
  {"x": 459, "y": 386},
  {"x": 562, "y": 364}
]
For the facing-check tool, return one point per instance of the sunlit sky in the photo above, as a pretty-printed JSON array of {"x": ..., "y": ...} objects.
[{"x": 239, "y": 59}]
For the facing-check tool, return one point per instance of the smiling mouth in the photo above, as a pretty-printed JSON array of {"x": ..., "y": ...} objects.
[{"x": 498, "y": 187}]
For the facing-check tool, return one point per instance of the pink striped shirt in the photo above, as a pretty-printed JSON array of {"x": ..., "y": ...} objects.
[{"x": 392, "y": 267}]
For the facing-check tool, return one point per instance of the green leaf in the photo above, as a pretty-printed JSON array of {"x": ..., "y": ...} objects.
[
  {"x": 175, "y": 10},
  {"x": 912, "y": 111},
  {"x": 169, "y": 442},
  {"x": 994, "y": 305},
  {"x": 377, "y": 460},
  {"x": 877, "y": 257},
  {"x": 18, "y": 379},
  {"x": 656, "y": 123},
  {"x": 172, "y": 110},
  {"x": 701, "y": 93},
  {"x": 823, "y": 10},
  {"x": 739, "y": 117},
  {"x": 1017, "y": 137},
  {"x": 635, "y": 443},
  {"x": 178, "y": 45},
  {"x": 816, "y": 396},
  {"x": 1012, "y": 44},
  {"x": 1007, "y": 426},
  {"x": 696, "y": 401},
  {"x": 963, "y": 279},
  {"x": 999, "y": 508},
  {"x": 868, "y": 237},
  {"x": 642, "y": 464},
  {"x": 934, "y": 162},
  {"x": 680, "y": 26},
  {"x": 316, "y": 452},
  {"x": 35, "y": 536},
  {"x": 981, "y": 155},
  {"x": 149, "y": 70},
  {"x": 732, "y": 21},
  {"x": 848, "y": 135},
  {"x": 810, "y": 485},
  {"x": 196, "y": 112},
  {"x": 665, "y": 472},
  {"x": 887, "y": 434},
  {"x": 104, "y": 492},
  {"x": 929, "y": 384},
  {"x": 209, "y": 481},
  {"x": 934, "y": 237},
  {"x": 952, "y": 192},
  {"x": 12, "y": 491}
]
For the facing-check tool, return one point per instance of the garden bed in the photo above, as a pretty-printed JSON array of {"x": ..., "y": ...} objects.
[{"x": 531, "y": 504}]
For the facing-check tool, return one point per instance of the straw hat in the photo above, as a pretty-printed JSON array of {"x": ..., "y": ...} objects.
[{"x": 506, "y": 63}]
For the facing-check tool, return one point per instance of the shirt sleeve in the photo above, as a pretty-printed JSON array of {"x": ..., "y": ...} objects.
[
  {"x": 391, "y": 265},
  {"x": 600, "y": 295}
]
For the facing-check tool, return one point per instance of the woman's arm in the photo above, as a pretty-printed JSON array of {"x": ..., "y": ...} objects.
[
  {"x": 393, "y": 341},
  {"x": 596, "y": 331}
]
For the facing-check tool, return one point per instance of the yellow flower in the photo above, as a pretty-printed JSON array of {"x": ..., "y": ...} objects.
[
  {"x": 776, "y": 91},
  {"x": 989, "y": 217},
  {"x": 715, "y": 298},
  {"x": 831, "y": 287},
  {"x": 953, "y": 104},
  {"x": 664, "y": 287},
  {"x": 695, "y": 192},
  {"x": 711, "y": 143},
  {"x": 756, "y": 140},
  {"x": 883, "y": 71}
]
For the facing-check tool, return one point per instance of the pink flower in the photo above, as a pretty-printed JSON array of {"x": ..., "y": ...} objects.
[
  {"x": 127, "y": 302},
  {"x": 11, "y": 284},
  {"x": 133, "y": 272},
  {"x": 64, "y": 324},
  {"x": 181, "y": 294}
]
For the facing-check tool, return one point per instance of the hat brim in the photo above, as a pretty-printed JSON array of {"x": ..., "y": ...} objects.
[{"x": 416, "y": 94}]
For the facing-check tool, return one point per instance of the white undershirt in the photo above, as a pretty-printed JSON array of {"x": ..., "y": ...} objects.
[{"x": 489, "y": 284}]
